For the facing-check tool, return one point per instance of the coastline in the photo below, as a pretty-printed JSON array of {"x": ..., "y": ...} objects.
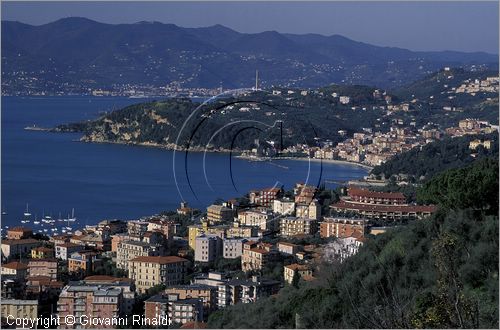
[{"x": 222, "y": 151}]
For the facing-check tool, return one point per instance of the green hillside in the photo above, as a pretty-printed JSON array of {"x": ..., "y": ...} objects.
[{"x": 441, "y": 272}]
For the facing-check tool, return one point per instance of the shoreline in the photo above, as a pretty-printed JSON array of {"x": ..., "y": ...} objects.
[{"x": 225, "y": 151}]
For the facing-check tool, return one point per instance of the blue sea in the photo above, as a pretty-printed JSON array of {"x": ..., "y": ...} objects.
[{"x": 54, "y": 173}]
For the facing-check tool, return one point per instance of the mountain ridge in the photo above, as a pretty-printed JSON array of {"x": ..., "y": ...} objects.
[{"x": 81, "y": 52}]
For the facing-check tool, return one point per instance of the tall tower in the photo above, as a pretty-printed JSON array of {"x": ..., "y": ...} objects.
[{"x": 256, "y": 79}]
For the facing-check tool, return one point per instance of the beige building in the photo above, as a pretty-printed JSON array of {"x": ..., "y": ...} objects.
[
  {"x": 19, "y": 233},
  {"x": 207, "y": 248},
  {"x": 255, "y": 256},
  {"x": 284, "y": 206},
  {"x": 219, "y": 213},
  {"x": 150, "y": 271},
  {"x": 17, "y": 309},
  {"x": 128, "y": 250},
  {"x": 239, "y": 231},
  {"x": 43, "y": 267},
  {"x": 262, "y": 219},
  {"x": 309, "y": 211},
  {"x": 292, "y": 226},
  {"x": 342, "y": 227},
  {"x": 304, "y": 271},
  {"x": 289, "y": 248},
  {"x": 232, "y": 248}
]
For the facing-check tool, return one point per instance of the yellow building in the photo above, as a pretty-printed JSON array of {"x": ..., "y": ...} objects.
[
  {"x": 42, "y": 252},
  {"x": 196, "y": 230},
  {"x": 13, "y": 308},
  {"x": 150, "y": 271}
]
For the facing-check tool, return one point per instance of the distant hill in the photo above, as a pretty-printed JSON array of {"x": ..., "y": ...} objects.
[
  {"x": 90, "y": 54},
  {"x": 305, "y": 119}
]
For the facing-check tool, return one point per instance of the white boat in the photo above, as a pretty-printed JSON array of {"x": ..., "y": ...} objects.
[
  {"x": 27, "y": 213},
  {"x": 45, "y": 230},
  {"x": 72, "y": 219}
]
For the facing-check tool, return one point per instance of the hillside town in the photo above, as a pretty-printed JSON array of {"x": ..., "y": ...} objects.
[{"x": 238, "y": 251}]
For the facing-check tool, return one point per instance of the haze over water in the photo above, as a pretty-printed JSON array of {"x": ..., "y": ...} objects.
[{"x": 54, "y": 174}]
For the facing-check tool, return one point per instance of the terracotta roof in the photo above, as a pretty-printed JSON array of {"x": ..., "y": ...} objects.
[
  {"x": 43, "y": 249},
  {"x": 194, "y": 325},
  {"x": 287, "y": 244},
  {"x": 15, "y": 265},
  {"x": 106, "y": 278},
  {"x": 384, "y": 208},
  {"x": 42, "y": 260},
  {"x": 20, "y": 229},
  {"x": 159, "y": 260},
  {"x": 353, "y": 191},
  {"x": 298, "y": 267},
  {"x": 20, "y": 241},
  {"x": 69, "y": 244},
  {"x": 262, "y": 251},
  {"x": 38, "y": 278}
]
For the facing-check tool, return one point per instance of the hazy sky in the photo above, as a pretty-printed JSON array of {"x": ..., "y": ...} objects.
[{"x": 463, "y": 26}]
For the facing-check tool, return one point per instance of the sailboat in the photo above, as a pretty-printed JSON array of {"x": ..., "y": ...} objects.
[
  {"x": 27, "y": 213},
  {"x": 72, "y": 219},
  {"x": 36, "y": 222},
  {"x": 68, "y": 220}
]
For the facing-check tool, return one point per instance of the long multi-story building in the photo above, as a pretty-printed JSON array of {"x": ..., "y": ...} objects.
[
  {"x": 293, "y": 226},
  {"x": 219, "y": 213},
  {"x": 150, "y": 271},
  {"x": 43, "y": 267},
  {"x": 262, "y": 219},
  {"x": 90, "y": 301},
  {"x": 384, "y": 212},
  {"x": 366, "y": 196},
  {"x": 128, "y": 250},
  {"x": 342, "y": 227},
  {"x": 379, "y": 205}
]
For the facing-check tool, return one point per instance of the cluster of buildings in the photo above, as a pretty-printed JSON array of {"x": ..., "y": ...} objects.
[
  {"x": 70, "y": 274},
  {"x": 471, "y": 126},
  {"x": 487, "y": 85}
]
